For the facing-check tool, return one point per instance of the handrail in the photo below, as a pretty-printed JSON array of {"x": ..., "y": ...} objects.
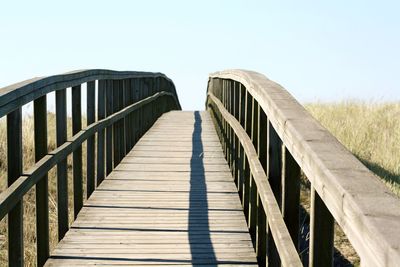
[
  {"x": 342, "y": 188},
  {"x": 11, "y": 196},
  {"x": 278, "y": 228},
  {"x": 128, "y": 103},
  {"x": 16, "y": 95}
]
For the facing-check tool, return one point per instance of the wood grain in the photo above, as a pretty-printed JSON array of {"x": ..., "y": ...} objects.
[
  {"x": 162, "y": 210},
  {"x": 365, "y": 209}
]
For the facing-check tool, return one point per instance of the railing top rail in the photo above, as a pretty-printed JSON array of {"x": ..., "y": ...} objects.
[
  {"x": 18, "y": 94},
  {"x": 367, "y": 211}
]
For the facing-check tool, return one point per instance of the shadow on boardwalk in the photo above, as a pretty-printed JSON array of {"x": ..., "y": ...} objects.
[{"x": 198, "y": 193}]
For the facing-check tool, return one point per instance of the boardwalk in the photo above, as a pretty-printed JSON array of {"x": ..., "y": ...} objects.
[
  {"x": 171, "y": 201},
  {"x": 169, "y": 196}
]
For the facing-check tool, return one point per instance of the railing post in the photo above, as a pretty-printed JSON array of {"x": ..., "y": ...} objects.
[
  {"x": 274, "y": 176},
  {"x": 291, "y": 194},
  {"x": 127, "y": 119},
  {"x": 261, "y": 216},
  {"x": 321, "y": 232},
  {"x": 101, "y": 96},
  {"x": 253, "y": 186},
  {"x": 121, "y": 122},
  {"x": 62, "y": 178},
  {"x": 116, "y": 132},
  {"x": 247, "y": 175},
  {"x": 14, "y": 169},
  {"x": 42, "y": 203},
  {"x": 136, "y": 113},
  {"x": 109, "y": 130},
  {"x": 90, "y": 154},
  {"x": 77, "y": 154}
]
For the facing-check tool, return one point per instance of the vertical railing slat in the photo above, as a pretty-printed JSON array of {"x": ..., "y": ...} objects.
[
  {"x": 42, "y": 203},
  {"x": 77, "y": 154},
  {"x": 274, "y": 175},
  {"x": 90, "y": 149},
  {"x": 101, "y": 96},
  {"x": 127, "y": 124},
  {"x": 62, "y": 178},
  {"x": 261, "y": 216},
  {"x": 14, "y": 169},
  {"x": 121, "y": 123},
  {"x": 321, "y": 232},
  {"x": 109, "y": 129},
  {"x": 116, "y": 130},
  {"x": 291, "y": 195}
]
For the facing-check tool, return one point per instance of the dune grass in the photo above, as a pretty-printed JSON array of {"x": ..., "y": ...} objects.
[{"x": 371, "y": 131}]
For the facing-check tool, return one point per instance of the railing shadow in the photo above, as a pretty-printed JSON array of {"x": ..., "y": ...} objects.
[{"x": 198, "y": 193}]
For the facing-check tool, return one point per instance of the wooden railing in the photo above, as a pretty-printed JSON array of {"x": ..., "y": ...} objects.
[
  {"x": 268, "y": 139},
  {"x": 128, "y": 103}
]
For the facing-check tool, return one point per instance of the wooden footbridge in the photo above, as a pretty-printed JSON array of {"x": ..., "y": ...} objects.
[{"x": 202, "y": 188}]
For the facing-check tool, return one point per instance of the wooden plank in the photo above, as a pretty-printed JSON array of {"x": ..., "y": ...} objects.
[
  {"x": 62, "y": 182},
  {"x": 90, "y": 149},
  {"x": 42, "y": 202},
  {"x": 14, "y": 170},
  {"x": 168, "y": 211},
  {"x": 77, "y": 155}
]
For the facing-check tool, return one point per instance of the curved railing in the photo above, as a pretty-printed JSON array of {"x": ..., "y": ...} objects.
[
  {"x": 128, "y": 103},
  {"x": 268, "y": 139}
]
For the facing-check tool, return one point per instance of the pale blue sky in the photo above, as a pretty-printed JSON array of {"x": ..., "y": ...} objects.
[{"x": 318, "y": 50}]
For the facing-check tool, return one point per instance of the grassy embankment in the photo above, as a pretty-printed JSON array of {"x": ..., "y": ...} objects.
[{"x": 370, "y": 131}]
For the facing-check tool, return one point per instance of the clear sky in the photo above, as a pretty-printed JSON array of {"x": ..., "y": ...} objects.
[{"x": 318, "y": 50}]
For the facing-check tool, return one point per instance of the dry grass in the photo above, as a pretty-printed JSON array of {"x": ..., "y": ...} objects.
[
  {"x": 29, "y": 198},
  {"x": 370, "y": 131}
]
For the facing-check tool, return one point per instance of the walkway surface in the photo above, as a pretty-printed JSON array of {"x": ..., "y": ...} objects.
[{"x": 171, "y": 201}]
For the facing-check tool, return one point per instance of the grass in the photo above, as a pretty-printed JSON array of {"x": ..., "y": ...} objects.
[
  {"x": 371, "y": 131},
  {"x": 29, "y": 198}
]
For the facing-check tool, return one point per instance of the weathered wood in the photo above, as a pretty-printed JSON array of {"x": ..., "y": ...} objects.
[
  {"x": 14, "y": 170},
  {"x": 278, "y": 230},
  {"x": 161, "y": 225},
  {"x": 77, "y": 155},
  {"x": 101, "y": 112},
  {"x": 11, "y": 196},
  {"x": 109, "y": 130},
  {"x": 121, "y": 123},
  {"x": 62, "y": 182},
  {"x": 261, "y": 247},
  {"x": 90, "y": 148},
  {"x": 328, "y": 165},
  {"x": 127, "y": 120},
  {"x": 42, "y": 202},
  {"x": 116, "y": 127},
  {"x": 291, "y": 194},
  {"x": 16, "y": 95},
  {"x": 11, "y": 100},
  {"x": 321, "y": 233}
]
